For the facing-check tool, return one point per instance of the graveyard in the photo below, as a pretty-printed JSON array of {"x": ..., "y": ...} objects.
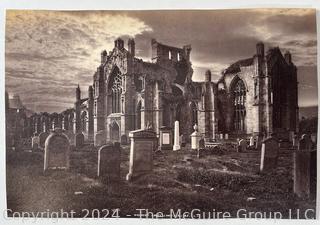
[{"x": 220, "y": 179}]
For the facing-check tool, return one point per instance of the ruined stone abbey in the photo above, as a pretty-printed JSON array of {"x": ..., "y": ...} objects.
[
  {"x": 254, "y": 96},
  {"x": 257, "y": 95}
]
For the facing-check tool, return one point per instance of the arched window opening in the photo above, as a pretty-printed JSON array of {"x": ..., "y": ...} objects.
[
  {"x": 239, "y": 93},
  {"x": 116, "y": 90}
]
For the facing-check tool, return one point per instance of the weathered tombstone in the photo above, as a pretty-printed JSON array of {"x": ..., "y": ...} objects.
[
  {"x": 57, "y": 150},
  {"x": 109, "y": 162},
  {"x": 35, "y": 143},
  {"x": 303, "y": 168},
  {"x": 165, "y": 138},
  {"x": 221, "y": 136},
  {"x": 195, "y": 138},
  {"x": 226, "y": 136},
  {"x": 79, "y": 140},
  {"x": 141, "y": 152},
  {"x": 269, "y": 154},
  {"x": 123, "y": 139},
  {"x": 251, "y": 144},
  {"x": 42, "y": 138},
  {"x": 99, "y": 138},
  {"x": 176, "y": 145},
  {"x": 242, "y": 145}
]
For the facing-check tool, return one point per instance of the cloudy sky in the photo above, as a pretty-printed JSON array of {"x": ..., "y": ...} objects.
[{"x": 49, "y": 52}]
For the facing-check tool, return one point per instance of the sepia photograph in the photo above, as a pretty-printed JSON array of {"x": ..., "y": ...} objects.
[{"x": 170, "y": 114}]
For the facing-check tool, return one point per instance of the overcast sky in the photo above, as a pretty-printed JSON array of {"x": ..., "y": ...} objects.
[{"x": 49, "y": 52}]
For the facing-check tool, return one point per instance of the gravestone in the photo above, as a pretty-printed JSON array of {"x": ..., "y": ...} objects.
[
  {"x": 269, "y": 154},
  {"x": 251, "y": 144},
  {"x": 195, "y": 138},
  {"x": 79, "y": 140},
  {"x": 42, "y": 139},
  {"x": 35, "y": 143},
  {"x": 143, "y": 143},
  {"x": 226, "y": 136},
  {"x": 176, "y": 145},
  {"x": 304, "y": 168},
  {"x": 99, "y": 138},
  {"x": 242, "y": 145},
  {"x": 123, "y": 139},
  {"x": 165, "y": 138},
  {"x": 109, "y": 159},
  {"x": 57, "y": 150},
  {"x": 221, "y": 136}
]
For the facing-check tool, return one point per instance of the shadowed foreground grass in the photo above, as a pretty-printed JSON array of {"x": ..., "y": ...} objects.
[{"x": 224, "y": 182}]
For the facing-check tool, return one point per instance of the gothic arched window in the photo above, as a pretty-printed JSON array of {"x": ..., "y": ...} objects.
[
  {"x": 116, "y": 90},
  {"x": 84, "y": 121},
  {"x": 239, "y": 93}
]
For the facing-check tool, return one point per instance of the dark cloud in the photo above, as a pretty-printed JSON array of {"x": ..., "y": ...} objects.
[{"x": 52, "y": 51}]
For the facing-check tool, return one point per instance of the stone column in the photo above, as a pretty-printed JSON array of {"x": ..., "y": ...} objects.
[{"x": 176, "y": 145}]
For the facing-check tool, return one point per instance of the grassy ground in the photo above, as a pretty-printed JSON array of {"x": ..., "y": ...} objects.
[{"x": 225, "y": 182}]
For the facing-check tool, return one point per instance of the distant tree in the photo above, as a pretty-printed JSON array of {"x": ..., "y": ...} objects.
[{"x": 308, "y": 125}]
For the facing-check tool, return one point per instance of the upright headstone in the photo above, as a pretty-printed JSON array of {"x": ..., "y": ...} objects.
[
  {"x": 221, "y": 136},
  {"x": 100, "y": 138},
  {"x": 302, "y": 168},
  {"x": 141, "y": 152},
  {"x": 109, "y": 159},
  {"x": 269, "y": 154},
  {"x": 176, "y": 145},
  {"x": 195, "y": 138},
  {"x": 79, "y": 140},
  {"x": 57, "y": 150},
  {"x": 165, "y": 138},
  {"x": 42, "y": 139},
  {"x": 35, "y": 142},
  {"x": 123, "y": 139},
  {"x": 226, "y": 136},
  {"x": 242, "y": 145},
  {"x": 251, "y": 144}
]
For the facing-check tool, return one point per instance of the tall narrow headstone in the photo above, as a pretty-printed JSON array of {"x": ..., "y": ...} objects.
[
  {"x": 109, "y": 162},
  {"x": 269, "y": 154},
  {"x": 303, "y": 168},
  {"x": 176, "y": 145},
  {"x": 251, "y": 144},
  {"x": 143, "y": 143},
  {"x": 226, "y": 136},
  {"x": 195, "y": 138},
  {"x": 57, "y": 150}
]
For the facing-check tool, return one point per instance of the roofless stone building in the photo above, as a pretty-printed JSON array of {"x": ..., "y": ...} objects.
[{"x": 254, "y": 96}]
